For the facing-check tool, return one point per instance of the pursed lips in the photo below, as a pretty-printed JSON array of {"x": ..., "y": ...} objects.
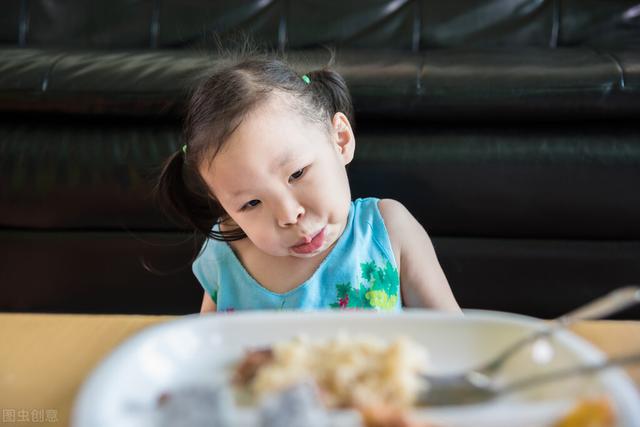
[{"x": 307, "y": 239}]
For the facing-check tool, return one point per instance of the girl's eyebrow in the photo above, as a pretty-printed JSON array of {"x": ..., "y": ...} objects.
[
  {"x": 282, "y": 160},
  {"x": 238, "y": 193}
]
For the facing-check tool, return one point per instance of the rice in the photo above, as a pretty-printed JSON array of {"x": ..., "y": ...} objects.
[{"x": 349, "y": 370}]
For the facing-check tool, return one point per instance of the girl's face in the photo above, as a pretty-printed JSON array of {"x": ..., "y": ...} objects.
[{"x": 282, "y": 179}]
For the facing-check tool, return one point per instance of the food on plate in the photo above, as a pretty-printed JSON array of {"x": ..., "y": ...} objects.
[
  {"x": 248, "y": 367},
  {"x": 594, "y": 412},
  {"x": 349, "y": 371},
  {"x": 389, "y": 416},
  {"x": 298, "y": 405},
  {"x": 342, "y": 381},
  {"x": 196, "y": 406}
]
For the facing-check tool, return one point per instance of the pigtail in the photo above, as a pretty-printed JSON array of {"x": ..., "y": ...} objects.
[
  {"x": 178, "y": 201},
  {"x": 333, "y": 92},
  {"x": 183, "y": 197}
]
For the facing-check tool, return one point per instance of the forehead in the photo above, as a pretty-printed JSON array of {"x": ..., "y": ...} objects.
[{"x": 268, "y": 137}]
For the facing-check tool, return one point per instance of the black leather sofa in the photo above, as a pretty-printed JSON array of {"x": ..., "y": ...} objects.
[{"x": 508, "y": 127}]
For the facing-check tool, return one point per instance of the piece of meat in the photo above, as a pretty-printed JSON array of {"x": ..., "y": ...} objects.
[{"x": 249, "y": 366}]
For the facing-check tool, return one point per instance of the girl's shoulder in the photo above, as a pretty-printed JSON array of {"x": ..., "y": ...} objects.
[
  {"x": 396, "y": 219},
  {"x": 393, "y": 211},
  {"x": 388, "y": 214}
]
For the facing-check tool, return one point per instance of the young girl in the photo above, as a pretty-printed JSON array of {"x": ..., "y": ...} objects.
[{"x": 262, "y": 175}]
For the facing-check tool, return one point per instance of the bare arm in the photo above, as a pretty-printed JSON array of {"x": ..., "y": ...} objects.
[
  {"x": 422, "y": 280},
  {"x": 207, "y": 304}
]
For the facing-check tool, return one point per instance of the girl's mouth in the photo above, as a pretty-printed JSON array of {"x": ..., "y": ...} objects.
[{"x": 314, "y": 244}]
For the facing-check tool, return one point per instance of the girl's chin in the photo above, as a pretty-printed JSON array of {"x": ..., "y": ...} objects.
[
  {"x": 288, "y": 252},
  {"x": 308, "y": 255}
]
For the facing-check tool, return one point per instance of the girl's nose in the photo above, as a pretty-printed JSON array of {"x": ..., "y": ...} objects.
[{"x": 290, "y": 213}]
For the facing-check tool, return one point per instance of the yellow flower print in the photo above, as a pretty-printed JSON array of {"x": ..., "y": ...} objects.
[{"x": 380, "y": 299}]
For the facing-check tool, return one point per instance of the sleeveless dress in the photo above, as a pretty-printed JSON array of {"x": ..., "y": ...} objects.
[{"x": 360, "y": 272}]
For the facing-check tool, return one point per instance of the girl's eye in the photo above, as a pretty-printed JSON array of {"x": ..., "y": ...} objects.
[
  {"x": 251, "y": 204},
  {"x": 296, "y": 175}
]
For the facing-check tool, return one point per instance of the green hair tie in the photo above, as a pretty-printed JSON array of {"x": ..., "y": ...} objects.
[
  {"x": 184, "y": 148},
  {"x": 306, "y": 79}
]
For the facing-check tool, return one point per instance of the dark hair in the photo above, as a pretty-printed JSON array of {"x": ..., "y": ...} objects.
[{"x": 217, "y": 107}]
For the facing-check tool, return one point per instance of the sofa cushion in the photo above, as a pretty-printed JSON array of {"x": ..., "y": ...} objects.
[{"x": 550, "y": 84}]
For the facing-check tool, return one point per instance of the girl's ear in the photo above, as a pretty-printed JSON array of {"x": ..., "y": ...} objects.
[{"x": 343, "y": 138}]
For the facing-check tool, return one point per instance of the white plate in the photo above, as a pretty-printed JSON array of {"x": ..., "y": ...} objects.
[{"x": 196, "y": 350}]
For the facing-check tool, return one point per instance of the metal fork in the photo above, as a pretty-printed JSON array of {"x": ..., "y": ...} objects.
[
  {"x": 476, "y": 384},
  {"x": 443, "y": 391}
]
